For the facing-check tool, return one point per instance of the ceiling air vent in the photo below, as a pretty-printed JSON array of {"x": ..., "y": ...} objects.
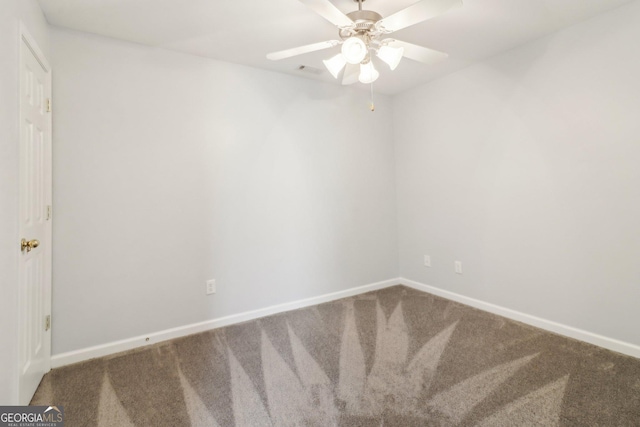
[{"x": 310, "y": 70}]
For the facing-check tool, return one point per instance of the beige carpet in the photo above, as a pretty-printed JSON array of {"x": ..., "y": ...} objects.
[{"x": 395, "y": 357}]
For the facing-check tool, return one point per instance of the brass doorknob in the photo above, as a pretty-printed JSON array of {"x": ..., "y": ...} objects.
[{"x": 29, "y": 244}]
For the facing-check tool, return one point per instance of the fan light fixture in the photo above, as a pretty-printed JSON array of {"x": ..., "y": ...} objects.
[
  {"x": 359, "y": 45},
  {"x": 368, "y": 73},
  {"x": 354, "y": 50},
  {"x": 391, "y": 55}
]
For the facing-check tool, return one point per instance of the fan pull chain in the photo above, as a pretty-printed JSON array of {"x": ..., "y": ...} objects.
[{"x": 372, "y": 106}]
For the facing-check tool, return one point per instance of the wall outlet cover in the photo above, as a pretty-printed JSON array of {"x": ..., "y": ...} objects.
[
  {"x": 427, "y": 260},
  {"x": 211, "y": 287},
  {"x": 458, "y": 267}
]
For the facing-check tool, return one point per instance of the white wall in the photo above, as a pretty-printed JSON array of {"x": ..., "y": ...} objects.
[
  {"x": 526, "y": 167},
  {"x": 11, "y": 13},
  {"x": 171, "y": 169}
]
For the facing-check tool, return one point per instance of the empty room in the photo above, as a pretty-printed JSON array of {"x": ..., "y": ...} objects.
[{"x": 320, "y": 213}]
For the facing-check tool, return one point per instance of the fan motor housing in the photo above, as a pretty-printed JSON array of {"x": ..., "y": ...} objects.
[{"x": 364, "y": 20}]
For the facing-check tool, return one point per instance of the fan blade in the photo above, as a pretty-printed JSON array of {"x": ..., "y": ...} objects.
[
  {"x": 418, "y": 12},
  {"x": 417, "y": 53},
  {"x": 351, "y": 73},
  {"x": 287, "y": 53},
  {"x": 328, "y": 11}
]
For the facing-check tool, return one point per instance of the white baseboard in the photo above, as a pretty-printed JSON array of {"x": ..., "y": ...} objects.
[
  {"x": 80, "y": 355},
  {"x": 548, "y": 325},
  {"x": 101, "y": 350}
]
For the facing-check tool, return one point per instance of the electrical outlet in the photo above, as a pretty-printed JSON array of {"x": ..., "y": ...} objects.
[
  {"x": 458, "y": 267},
  {"x": 211, "y": 286},
  {"x": 427, "y": 260}
]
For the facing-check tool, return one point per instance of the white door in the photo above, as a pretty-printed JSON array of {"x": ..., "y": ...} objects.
[{"x": 35, "y": 218}]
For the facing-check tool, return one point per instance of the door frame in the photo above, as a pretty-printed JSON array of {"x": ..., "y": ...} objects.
[{"x": 31, "y": 44}]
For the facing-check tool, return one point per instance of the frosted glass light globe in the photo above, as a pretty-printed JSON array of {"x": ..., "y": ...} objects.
[
  {"x": 354, "y": 50},
  {"x": 335, "y": 64},
  {"x": 391, "y": 55},
  {"x": 368, "y": 73}
]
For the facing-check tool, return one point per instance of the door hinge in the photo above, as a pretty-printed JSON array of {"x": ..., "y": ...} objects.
[
  {"x": 48, "y": 214},
  {"x": 47, "y": 322},
  {"x": 48, "y": 105}
]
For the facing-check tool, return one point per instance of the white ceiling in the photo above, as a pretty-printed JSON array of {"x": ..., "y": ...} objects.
[{"x": 244, "y": 32}]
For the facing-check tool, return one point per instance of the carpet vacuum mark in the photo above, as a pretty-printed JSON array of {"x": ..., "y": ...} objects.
[{"x": 394, "y": 357}]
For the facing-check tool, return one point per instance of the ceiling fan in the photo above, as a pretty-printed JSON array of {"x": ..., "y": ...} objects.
[{"x": 363, "y": 33}]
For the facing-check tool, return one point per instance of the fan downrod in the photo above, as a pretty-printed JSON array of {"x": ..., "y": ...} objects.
[{"x": 359, "y": 3}]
